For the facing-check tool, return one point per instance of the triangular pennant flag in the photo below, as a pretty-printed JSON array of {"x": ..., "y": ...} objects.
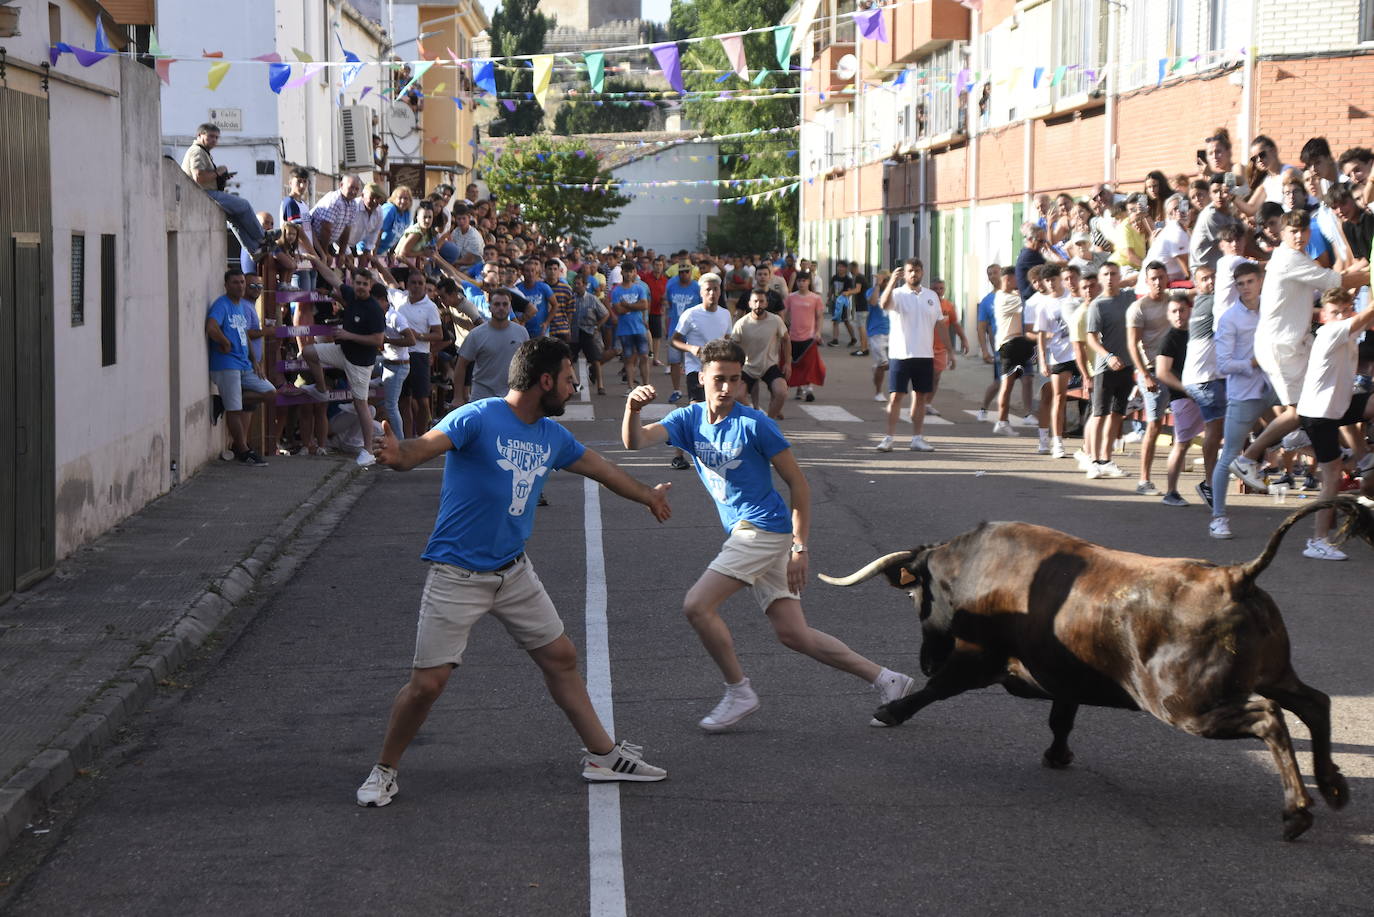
[
  {"x": 758, "y": 80},
  {"x": 154, "y": 48},
  {"x": 101, "y": 44},
  {"x": 782, "y": 43},
  {"x": 734, "y": 53},
  {"x": 871, "y": 25},
  {"x": 667, "y": 55},
  {"x": 216, "y": 75},
  {"x": 1035, "y": 77},
  {"x": 1178, "y": 62},
  {"x": 420, "y": 70},
  {"x": 84, "y": 57},
  {"x": 596, "y": 69},
  {"x": 457, "y": 101},
  {"x": 304, "y": 76},
  {"x": 424, "y": 54},
  {"x": 355, "y": 67},
  {"x": 163, "y": 66},
  {"x": 485, "y": 75},
  {"x": 1163, "y": 68},
  {"x": 1352, "y": 112},
  {"x": 961, "y": 81},
  {"x": 302, "y": 56},
  {"x": 439, "y": 90},
  {"x": 543, "y": 73},
  {"x": 901, "y": 78},
  {"x": 269, "y": 58},
  {"x": 277, "y": 75},
  {"x": 1058, "y": 76}
]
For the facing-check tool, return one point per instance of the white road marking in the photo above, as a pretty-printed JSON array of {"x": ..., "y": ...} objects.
[
  {"x": 606, "y": 866},
  {"x": 583, "y": 380},
  {"x": 831, "y": 413},
  {"x": 578, "y": 412},
  {"x": 659, "y": 410}
]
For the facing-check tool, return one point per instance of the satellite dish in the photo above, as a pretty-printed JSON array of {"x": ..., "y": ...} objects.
[
  {"x": 846, "y": 67},
  {"x": 403, "y": 126}
]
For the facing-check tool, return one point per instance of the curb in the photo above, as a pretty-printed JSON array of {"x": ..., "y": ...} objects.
[{"x": 28, "y": 792}]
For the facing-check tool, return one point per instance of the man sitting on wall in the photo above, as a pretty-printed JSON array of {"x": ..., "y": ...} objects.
[{"x": 212, "y": 179}]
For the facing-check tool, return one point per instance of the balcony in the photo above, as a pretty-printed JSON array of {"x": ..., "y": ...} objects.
[
  {"x": 916, "y": 29},
  {"x": 826, "y": 79}
]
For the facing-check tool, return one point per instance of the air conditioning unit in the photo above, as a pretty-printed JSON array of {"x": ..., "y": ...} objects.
[{"x": 356, "y": 121}]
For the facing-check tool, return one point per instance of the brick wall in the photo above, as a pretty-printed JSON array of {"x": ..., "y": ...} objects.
[
  {"x": 948, "y": 185},
  {"x": 1298, "y": 99},
  {"x": 1301, "y": 27},
  {"x": 1001, "y": 163},
  {"x": 1163, "y": 128}
]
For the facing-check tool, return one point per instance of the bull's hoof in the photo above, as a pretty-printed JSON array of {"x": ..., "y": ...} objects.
[
  {"x": 1295, "y": 823},
  {"x": 884, "y": 716},
  {"x": 1334, "y": 790},
  {"x": 1057, "y": 761}
]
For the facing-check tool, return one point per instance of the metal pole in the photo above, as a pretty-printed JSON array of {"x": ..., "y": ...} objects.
[{"x": 1109, "y": 115}]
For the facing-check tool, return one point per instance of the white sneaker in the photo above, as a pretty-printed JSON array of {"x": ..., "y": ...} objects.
[
  {"x": 884, "y": 444},
  {"x": 1057, "y": 448},
  {"x": 880, "y": 398},
  {"x": 1043, "y": 446},
  {"x": 1146, "y": 488},
  {"x": 1030, "y": 420},
  {"x": 919, "y": 444},
  {"x": 891, "y": 686},
  {"x": 739, "y": 701},
  {"x": 1248, "y": 470},
  {"x": 365, "y": 459},
  {"x": 624, "y": 762},
  {"x": 982, "y": 415},
  {"x": 379, "y": 787},
  {"x": 1321, "y": 549},
  {"x": 1083, "y": 459},
  {"x": 1110, "y": 470},
  {"x": 1219, "y": 527},
  {"x": 315, "y": 392},
  {"x": 932, "y": 411},
  {"x": 1134, "y": 436},
  {"x": 1002, "y": 428}
]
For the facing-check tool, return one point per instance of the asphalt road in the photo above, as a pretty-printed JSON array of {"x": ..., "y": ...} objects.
[{"x": 234, "y": 793}]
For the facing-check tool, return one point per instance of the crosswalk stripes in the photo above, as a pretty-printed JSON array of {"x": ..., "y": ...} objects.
[
  {"x": 992, "y": 417},
  {"x": 576, "y": 412}
]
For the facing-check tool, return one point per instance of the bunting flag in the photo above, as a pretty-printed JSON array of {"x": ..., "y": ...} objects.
[
  {"x": 1035, "y": 78},
  {"x": 961, "y": 82},
  {"x": 758, "y": 80},
  {"x": 871, "y": 25},
  {"x": 596, "y": 69},
  {"x": 667, "y": 55},
  {"x": 420, "y": 70},
  {"x": 543, "y": 73},
  {"x": 163, "y": 66},
  {"x": 1058, "y": 77},
  {"x": 901, "y": 79},
  {"x": 782, "y": 43},
  {"x": 216, "y": 75},
  {"x": 302, "y": 56},
  {"x": 734, "y": 53},
  {"x": 101, "y": 44},
  {"x": 154, "y": 48},
  {"x": 303, "y": 77},
  {"x": 277, "y": 75},
  {"x": 272, "y": 58},
  {"x": 484, "y": 75}
]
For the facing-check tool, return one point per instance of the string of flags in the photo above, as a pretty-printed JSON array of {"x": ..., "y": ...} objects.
[{"x": 741, "y": 200}]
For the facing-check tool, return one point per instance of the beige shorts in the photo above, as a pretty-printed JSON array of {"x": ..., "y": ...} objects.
[
  {"x": 758, "y": 559},
  {"x": 359, "y": 377},
  {"x": 454, "y": 598},
  {"x": 1285, "y": 365}
]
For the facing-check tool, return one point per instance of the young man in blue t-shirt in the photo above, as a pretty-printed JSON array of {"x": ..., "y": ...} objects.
[
  {"x": 681, "y": 294},
  {"x": 538, "y": 294},
  {"x": 498, "y": 453},
  {"x": 629, "y": 302},
  {"x": 227, "y": 324},
  {"x": 735, "y": 450}
]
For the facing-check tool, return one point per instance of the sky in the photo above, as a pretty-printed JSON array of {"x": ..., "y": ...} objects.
[{"x": 654, "y": 10}]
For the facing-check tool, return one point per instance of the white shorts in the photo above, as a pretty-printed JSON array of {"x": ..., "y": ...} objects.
[
  {"x": 1187, "y": 419},
  {"x": 1285, "y": 365},
  {"x": 758, "y": 559},
  {"x": 454, "y": 599},
  {"x": 877, "y": 349},
  {"x": 359, "y": 377}
]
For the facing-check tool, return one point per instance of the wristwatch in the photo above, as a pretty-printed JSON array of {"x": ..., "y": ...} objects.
[{"x": 798, "y": 549}]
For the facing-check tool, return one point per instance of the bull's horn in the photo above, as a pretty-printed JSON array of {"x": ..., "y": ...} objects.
[{"x": 877, "y": 566}]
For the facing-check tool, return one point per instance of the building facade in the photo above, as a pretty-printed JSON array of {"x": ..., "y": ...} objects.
[{"x": 1030, "y": 97}]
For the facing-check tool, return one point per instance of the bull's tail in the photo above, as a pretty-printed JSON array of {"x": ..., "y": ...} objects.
[{"x": 1358, "y": 522}]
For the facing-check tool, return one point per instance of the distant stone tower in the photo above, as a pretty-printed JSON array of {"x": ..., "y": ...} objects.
[{"x": 588, "y": 14}]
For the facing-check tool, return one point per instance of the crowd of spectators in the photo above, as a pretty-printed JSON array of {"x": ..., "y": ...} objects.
[{"x": 1223, "y": 307}]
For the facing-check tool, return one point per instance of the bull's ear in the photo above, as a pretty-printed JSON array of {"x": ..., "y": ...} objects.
[
  {"x": 906, "y": 577},
  {"x": 900, "y": 575}
]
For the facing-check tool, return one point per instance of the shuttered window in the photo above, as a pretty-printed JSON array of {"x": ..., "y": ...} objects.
[
  {"x": 78, "y": 279},
  {"x": 108, "y": 318}
]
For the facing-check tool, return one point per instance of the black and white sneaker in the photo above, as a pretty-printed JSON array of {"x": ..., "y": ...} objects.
[
  {"x": 379, "y": 787},
  {"x": 250, "y": 458},
  {"x": 624, "y": 762}
]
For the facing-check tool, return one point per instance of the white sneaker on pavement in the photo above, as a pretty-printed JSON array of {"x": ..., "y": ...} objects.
[
  {"x": 1220, "y": 527},
  {"x": 366, "y": 459},
  {"x": 1110, "y": 470},
  {"x": 884, "y": 444},
  {"x": 1083, "y": 459},
  {"x": 1030, "y": 420},
  {"x": 1057, "y": 448},
  {"x": 379, "y": 787},
  {"x": 1003, "y": 428},
  {"x": 739, "y": 701},
  {"x": 623, "y": 762},
  {"x": 891, "y": 686},
  {"x": 880, "y": 398},
  {"x": 1248, "y": 470},
  {"x": 982, "y": 415},
  {"x": 1321, "y": 549},
  {"x": 919, "y": 444}
]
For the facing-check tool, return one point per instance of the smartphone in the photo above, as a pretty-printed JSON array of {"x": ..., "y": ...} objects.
[
  {"x": 1159, "y": 224},
  {"x": 1202, "y": 156}
]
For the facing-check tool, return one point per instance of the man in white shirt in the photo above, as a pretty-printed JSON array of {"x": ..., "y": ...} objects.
[
  {"x": 1169, "y": 245},
  {"x": 331, "y": 220},
  {"x": 1329, "y": 402},
  {"x": 697, "y": 327},
  {"x": 1229, "y": 241},
  {"x": 1056, "y": 356},
  {"x": 422, "y": 317},
  {"x": 467, "y": 238},
  {"x": 1147, "y": 324},
  {"x": 1247, "y": 390},
  {"x": 916, "y": 319},
  {"x": 1283, "y": 340},
  {"x": 367, "y": 225}
]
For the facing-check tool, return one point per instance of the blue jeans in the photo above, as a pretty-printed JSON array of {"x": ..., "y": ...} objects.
[
  {"x": 241, "y": 218},
  {"x": 1241, "y": 415},
  {"x": 393, "y": 377}
]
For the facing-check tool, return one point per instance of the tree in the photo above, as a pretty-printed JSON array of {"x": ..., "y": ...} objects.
[
  {"x": 757, "y": 223},
  {"x": 556, "y": 181},
  {"x": 518, "y": 27},
  {"x": 610, "y": 117}
]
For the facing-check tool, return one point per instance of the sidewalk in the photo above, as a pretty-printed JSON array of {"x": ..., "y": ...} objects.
[{"x": 84, "y": 650}]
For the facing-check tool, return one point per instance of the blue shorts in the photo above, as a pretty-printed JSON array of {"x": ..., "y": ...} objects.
[
  {"x": 916, "y": 374},
  {"x": 1210, "y": 398},
  {"x": 1156, "y": 402},
  {"x": 633, "y": 345}
]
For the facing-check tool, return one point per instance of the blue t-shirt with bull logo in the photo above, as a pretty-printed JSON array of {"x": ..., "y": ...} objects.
[
  {"x": 733, "y": 459},
  {"x": 493, "y": 476}
]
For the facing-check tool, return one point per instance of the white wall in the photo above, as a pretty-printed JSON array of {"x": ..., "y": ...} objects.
[{"x": 657, "y": 217}]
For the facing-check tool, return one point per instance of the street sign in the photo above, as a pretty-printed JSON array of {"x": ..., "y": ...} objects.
[{"x": 227, "y": 119}]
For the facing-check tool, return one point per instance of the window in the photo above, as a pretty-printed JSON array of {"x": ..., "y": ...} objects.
[
  {"x": 1080, "y": 43},
  {"x": 1366, "y": 20},
  {"x": 108, "y": 318},
  {"x": 54, "y": 23},
  {"x": 267, "y": 166},
  {"x": 78, "y": 279}
]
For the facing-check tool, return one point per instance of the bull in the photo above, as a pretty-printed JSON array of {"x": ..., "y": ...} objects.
[{"x": 1047, "y": 615}]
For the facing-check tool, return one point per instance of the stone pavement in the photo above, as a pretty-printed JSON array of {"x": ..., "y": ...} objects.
[{"x": 85, "y": 649}]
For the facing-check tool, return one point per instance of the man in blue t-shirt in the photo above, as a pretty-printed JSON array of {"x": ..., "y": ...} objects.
[
  {"x": 231, "y": 368},
  {"x": 538, "y": 294},
  {"x": 681, "y": 294},
  {"x": 629, "y": 303},
  {"x": 987, "y": 337},
  {"x": 498, "y": 453},
  {"x": 735, "y": 450}
]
